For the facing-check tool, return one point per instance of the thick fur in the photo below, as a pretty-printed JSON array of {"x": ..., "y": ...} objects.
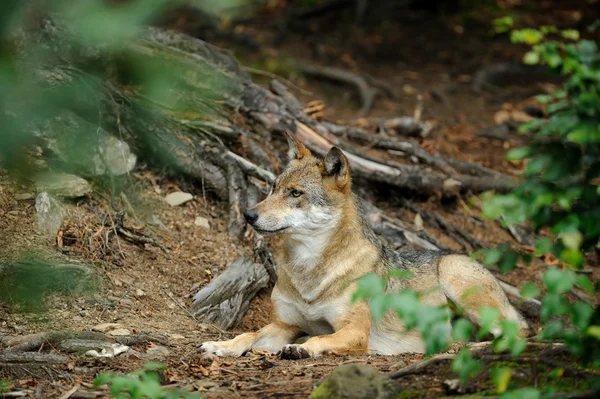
[{"x": 329, "y": 247}]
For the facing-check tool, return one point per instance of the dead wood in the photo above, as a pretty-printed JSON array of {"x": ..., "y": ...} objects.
[
  {"x": 455, "y": 232},
  {"x": 495, "y": 76},
  {"x": 54, "y": 339},
  {"x": 366, "y": 92},
  {"x": 7, "y": 358},
  {"x": 421, "y": 364},
  {"x": 528, "y": 306},
  {"x": 234, "y": 114},
  {"x": 226, "y": 298}
]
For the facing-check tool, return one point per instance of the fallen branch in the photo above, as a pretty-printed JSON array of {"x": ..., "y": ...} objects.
[
  {"x": 70, "y": 392},
  {"x": 420, "y": 365},
  {"x": 366, "y": 92},
  {"x": 529, "y": 306},
  {"x": 25, "y": 344},
  {"x": 226, "y": 298}
]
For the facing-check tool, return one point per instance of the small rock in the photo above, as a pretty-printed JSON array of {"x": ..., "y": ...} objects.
[
  {"x": 139, "y": 293},
  {"x": 24, "y": 196},
  {"x": 178, "y": 198},
  {"x": 126, "y": 302},
  {"x": 117, "y": 156},
  {"x": 356, "y": 381},
  {"x": 176, "y": 336},
  {"x": 63, "y": 185},
  {"x": 202, "y": 222},
  {"x": 104, "y": 327},
  {"x": 119, "y": 332},
  {"x": 49, "y": 214}
]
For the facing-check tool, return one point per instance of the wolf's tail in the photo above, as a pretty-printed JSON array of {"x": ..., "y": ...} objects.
[{"x": 472, "y": 287}]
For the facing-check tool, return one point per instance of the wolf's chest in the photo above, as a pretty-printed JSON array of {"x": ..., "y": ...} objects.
[{"x": 314, "y": 318}]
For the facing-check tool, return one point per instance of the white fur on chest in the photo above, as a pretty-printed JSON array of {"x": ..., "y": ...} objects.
[{"x": 314, "y": 319}]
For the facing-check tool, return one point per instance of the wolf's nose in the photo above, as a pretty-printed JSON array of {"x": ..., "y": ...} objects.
[{"x": 251, "y": 216}]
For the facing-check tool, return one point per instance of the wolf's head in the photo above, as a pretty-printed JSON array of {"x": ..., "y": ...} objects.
[{"x": 309, "y": 195}]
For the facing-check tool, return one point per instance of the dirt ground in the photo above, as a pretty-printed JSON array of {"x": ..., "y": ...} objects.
[{"x": 146, "y": 289}]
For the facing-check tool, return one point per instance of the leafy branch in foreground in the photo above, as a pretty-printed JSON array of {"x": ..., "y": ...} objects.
[
  {"x": 559, "y": 197},
  {"x": 141, "y": 384}
]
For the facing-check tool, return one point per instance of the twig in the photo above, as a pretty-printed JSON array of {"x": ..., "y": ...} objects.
[
  {"x": 70, "y": 392},
  {"x": 420, "y": 365},
  {"x": 13, "y": 394},
  {"x": 367, "y": 92},
  {"x": 176, "y": 302},
  {"x": 271, "y": 75}
]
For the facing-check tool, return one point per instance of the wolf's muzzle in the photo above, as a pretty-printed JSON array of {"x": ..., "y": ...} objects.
[{"x": 251, "y": 216}]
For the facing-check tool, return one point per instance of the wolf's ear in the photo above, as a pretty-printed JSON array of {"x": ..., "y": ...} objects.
[
  {"x": 336, "y": 165},
  {"x": 296, "y": 150}
]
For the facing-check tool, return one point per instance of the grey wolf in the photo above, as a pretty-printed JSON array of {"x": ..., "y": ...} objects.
[{"x": 328, "y": 248}]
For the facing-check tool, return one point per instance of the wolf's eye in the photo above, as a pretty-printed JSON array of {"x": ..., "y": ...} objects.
[{"x": 296, "y": 193}]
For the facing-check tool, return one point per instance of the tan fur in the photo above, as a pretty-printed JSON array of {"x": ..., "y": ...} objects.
[{"x": 327, "y": 251}]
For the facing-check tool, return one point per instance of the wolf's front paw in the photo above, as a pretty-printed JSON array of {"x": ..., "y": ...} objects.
[
  {"x": 222, "y": 348},
  {"x": 293, "y": 352}
]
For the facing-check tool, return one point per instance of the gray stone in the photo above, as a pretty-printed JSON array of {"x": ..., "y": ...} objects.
[
  {"x": 116, "y": 155},
  {"x": 356, "y": 381},
  {"x": 63, "y": 185},
  {"x": 49, "y": 214},
  {"x": 178, "y": 198},
  {"x": 202, "y": 222}
]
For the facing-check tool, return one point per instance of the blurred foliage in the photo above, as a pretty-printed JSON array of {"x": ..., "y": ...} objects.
[
  {"x": 73, "y": 72},
  {"x": 142, "y": 384},
  {"x": 559, "y": 196},
  {"x": 29, "y": 281}
]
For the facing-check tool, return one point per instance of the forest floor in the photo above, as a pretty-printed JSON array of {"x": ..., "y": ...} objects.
[{"x": 146, "y": 289}]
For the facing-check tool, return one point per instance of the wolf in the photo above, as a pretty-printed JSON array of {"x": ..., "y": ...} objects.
[{"x": 328, "y": 248}]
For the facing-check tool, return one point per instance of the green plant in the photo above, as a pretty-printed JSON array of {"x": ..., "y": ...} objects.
[
  {"x": 560, "y": 192},
  {"x": 141, "y": 384},
  {"x": 559, "y": 196},
  {"x": 5, "y": 385}
]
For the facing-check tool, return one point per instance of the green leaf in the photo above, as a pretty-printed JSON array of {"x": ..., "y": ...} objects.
[
  {"x": 538, "y": 164},
  {"x": 581, "y": 314},
  {"x": 530, "y": 290},
  {"x": 465, "y": 365},
  {"x": 369, "y": 286},
  {"x": 543, "y": 246},
  {"x": 492, "y": 256},
  {"x": 462, "y": 330},
  {"x": 509, "y": 261},
  {"x": 154, "y": 366},
  {"x": 523, "y": 393},
  {"x": 559, "y": 281},
  {"x": 551, "y": 330},
  {"x": 585, "y": 283},
  {"x": 570, "y": 34},
  {"x": 572, "y": 239},
  {"x": 553, "y": 304},
  {"x": 544, "y": 98},
  {"x": 517, "y": 154},
  {"x": 378, "y": 306},
  {"x": 531, "y": 58},
  {"x": 572, "y": 256},
  {"x": 593, "y": 331},
  {"x": 501, "y": 378}
]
